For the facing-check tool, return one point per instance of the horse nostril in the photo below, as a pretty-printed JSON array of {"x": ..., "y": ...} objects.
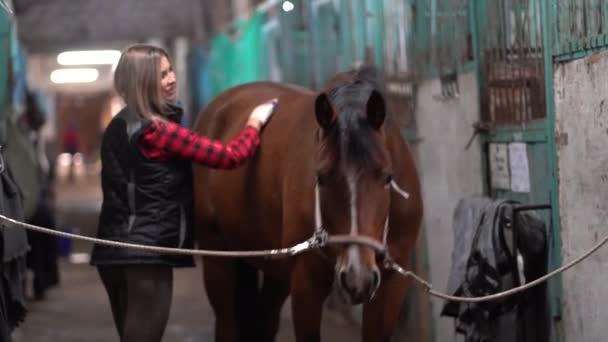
[
  {"x": 375, "y": 279},
  {"x": 343, "y": 280}
]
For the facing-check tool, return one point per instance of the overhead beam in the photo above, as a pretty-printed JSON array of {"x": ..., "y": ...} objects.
[{"x": 69, "y": 22}]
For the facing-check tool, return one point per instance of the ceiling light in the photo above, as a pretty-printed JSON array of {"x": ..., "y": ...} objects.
[
  {"x": 91, "y": 57},
  {"x": 85, "y": 75},
  {"x": 288, "y": 6}
]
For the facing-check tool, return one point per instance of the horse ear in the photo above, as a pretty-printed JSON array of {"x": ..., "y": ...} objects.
[
  {"x": 376, "y": 109},
  {"x": 324, "y": 111}
]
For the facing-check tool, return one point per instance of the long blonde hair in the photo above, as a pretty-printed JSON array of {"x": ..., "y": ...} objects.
[{"x": 137, "y": 80}]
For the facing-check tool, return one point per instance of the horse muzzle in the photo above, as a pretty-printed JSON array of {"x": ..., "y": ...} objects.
[{"x": 358, "y": 285}]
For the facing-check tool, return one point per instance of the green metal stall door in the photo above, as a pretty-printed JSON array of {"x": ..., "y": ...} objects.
[
  {"x": 511, "y": 63},
  {"x": 388, "y": 46},
  {"x": 527, "y": 185},
  {"x": 294, "y": 46},
  {"x": 325, "y": 27},
  {"x": 347, "y": 34},
  {"x": 397, "y": 63},
  {"x": 261, "y": 48},
  {"x": 353, "y": 29},
  {"x": 518, "y": 43},
  {"x": 443, "y": 37},
  {"x": 5, "y": 27},
  {"x": 271, "y": 49},
  {"x": 236, "y": 57},
  {"x": 517, "y": 134},
  {"x": 351, "y": 33}
]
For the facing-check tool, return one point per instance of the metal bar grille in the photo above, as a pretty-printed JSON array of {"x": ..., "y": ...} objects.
[
  {"x": 513, "y": 63},
  {"x": 580, "y": 25},
  {"x": 443, "y": 40}
]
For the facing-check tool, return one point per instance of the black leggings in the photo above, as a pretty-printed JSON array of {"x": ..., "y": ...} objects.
[{"x": 140, "y": 297}]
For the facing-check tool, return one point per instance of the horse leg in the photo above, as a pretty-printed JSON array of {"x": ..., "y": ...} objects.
[
  {"x": 220, "y": 278},
  {"x": 247, "y": 303},
  {"x": 272, "y": 297},
  {"x": 311, "y": 283},
  {"x": 380, "y": 316}
]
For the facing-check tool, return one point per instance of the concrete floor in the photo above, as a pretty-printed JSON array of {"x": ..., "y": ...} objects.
[{"x": 78, "y": 309}]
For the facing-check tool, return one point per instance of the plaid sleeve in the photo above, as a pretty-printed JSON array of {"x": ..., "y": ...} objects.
[{"x": 165, "y": 140}]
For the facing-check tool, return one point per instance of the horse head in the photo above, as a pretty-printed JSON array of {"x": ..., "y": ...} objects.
[{"x": 354, "y": 175}]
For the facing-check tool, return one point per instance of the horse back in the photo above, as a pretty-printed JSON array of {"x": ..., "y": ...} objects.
[{"x": 243, "y": 208}]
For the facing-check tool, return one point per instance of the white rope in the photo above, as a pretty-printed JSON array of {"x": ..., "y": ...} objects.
[
  {"x": 315, "y": 243},
  {"x": 297, "y": 249},
  {"x": 500, "y": 295}
]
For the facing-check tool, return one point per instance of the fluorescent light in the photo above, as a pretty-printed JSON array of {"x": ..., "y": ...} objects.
[
  {"x": 288, "y": 6},
  {"x": 64, "y": 159},
  {"x": 91, "y": 57},
  {"x": 84, "y": 75}
]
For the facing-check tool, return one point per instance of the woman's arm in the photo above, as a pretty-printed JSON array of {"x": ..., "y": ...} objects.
[{"x": 166, "y": 140}]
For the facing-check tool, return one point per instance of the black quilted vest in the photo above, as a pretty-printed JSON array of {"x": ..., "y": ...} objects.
[{"x": 145, "y": 201}]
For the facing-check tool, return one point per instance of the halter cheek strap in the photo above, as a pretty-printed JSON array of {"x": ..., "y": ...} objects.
[
  {"x": 400, "y": 191},
  {"x": 318, "y": 221},
  {"x": 320, "y": 232}
]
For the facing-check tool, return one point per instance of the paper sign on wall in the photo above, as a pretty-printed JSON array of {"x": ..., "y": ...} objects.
[
  {"x": 499, "y": 166},
  {"x": 520, "y": 171}
]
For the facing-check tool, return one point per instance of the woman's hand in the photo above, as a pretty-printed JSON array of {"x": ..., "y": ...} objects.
[{"x": 262, "y": 113}]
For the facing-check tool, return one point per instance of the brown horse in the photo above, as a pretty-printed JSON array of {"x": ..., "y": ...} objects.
[{"x": 337, "y": 151}]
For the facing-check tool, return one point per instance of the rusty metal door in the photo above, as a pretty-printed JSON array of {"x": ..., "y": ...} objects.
[
  {"x": 512, "y": 64},
  {"x": 515, "y": 130}
]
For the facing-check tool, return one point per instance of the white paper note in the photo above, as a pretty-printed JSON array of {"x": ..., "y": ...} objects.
[
  {"x": 520, "y": 172},
  {"x": 499, "y": 166}
]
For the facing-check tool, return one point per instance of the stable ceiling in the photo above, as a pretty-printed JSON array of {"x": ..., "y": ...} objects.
[
  {"x": 57, "y": 25},
  {"x": 47, "y": 27}
]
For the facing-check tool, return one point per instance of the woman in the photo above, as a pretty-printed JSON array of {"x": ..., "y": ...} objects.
[{"x": 146, "y": 181}]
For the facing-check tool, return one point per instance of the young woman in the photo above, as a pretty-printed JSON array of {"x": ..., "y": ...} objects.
[{"x": 146, "y": 180}]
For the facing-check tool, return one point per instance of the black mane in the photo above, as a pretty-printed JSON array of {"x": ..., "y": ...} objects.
[{"x": 353, "y": 137}]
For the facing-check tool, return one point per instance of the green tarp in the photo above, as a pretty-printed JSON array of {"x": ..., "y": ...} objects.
[{"x": 238, "y": 57}]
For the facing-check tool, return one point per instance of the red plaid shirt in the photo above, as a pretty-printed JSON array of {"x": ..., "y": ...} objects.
[{"x": 165, "y": 140}]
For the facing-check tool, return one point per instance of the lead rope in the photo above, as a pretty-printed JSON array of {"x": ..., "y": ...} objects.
[{"x": 321, "y": 239}]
